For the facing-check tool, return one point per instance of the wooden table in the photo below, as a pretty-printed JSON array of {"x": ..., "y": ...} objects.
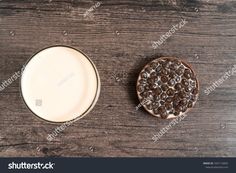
[{"x": 118, "y": 36}]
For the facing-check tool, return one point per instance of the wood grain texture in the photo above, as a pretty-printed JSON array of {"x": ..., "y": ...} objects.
[{"x": 118, "y": 39}]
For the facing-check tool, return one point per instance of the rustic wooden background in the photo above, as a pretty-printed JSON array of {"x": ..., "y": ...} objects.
[{"x": 117, "y": 37}]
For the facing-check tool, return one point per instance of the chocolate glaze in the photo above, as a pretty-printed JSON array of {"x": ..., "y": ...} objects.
[{"x": 169, "y": 87}]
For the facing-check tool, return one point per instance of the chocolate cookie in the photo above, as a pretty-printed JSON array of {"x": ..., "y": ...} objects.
[{"x": 167, "y": 87}]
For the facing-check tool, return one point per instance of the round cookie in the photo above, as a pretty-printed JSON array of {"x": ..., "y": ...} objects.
[{"x": 167, "y": 87}]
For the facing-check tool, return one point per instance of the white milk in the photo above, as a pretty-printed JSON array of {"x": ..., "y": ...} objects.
[{"x": 60, "y": 84}]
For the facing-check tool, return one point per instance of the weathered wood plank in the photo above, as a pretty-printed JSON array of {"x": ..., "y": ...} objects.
[{"x": 118, "y": 39}]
